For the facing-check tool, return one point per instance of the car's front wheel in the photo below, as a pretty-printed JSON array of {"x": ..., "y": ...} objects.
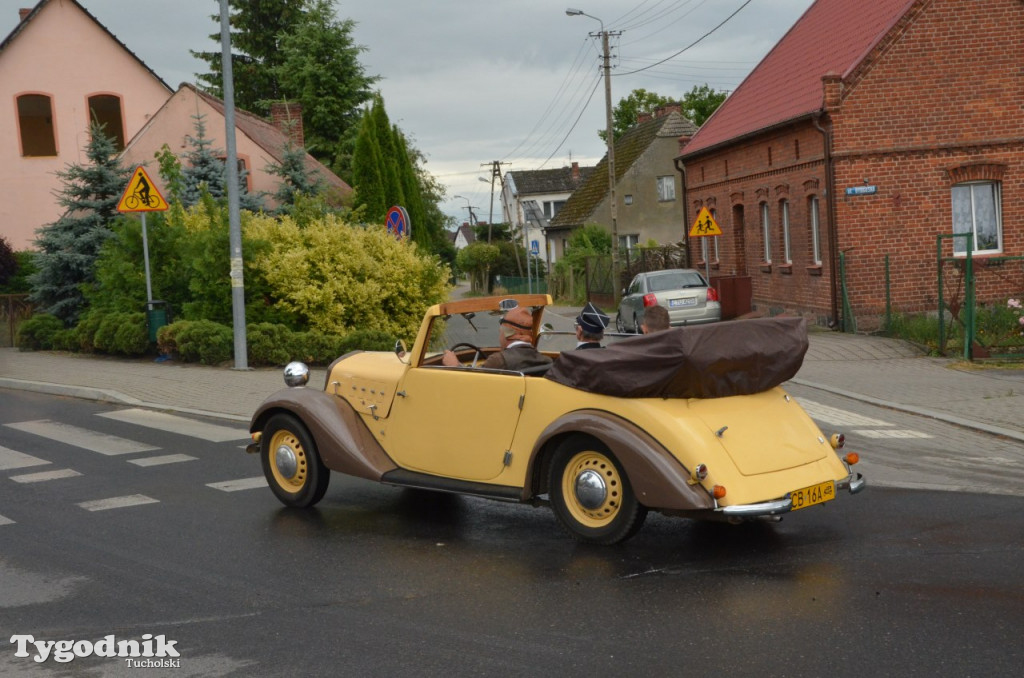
[
  {"x": 291, "y": 463},
  {"x": 620, "y": 326},
  {"x": 590, "y": 493}
]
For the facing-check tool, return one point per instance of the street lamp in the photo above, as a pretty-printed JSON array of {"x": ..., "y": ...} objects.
[{"x": 611, "y": 146}]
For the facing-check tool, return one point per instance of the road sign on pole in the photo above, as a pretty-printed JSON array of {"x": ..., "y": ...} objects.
[
  {"x": 705, "y": 225},
  {"x": 398, "y": 223},
  {"x": 140, "y": 195}
]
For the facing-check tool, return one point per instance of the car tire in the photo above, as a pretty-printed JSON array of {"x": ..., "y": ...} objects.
[
  {"x": 620, "y": 326},
  {"x": 291, "y": 462},
  {"x": 590, "y": 493},
  {"x": 636, "y": 325}
]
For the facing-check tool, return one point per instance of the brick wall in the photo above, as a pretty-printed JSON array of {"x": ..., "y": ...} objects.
[{"x": 937, "y": 102}]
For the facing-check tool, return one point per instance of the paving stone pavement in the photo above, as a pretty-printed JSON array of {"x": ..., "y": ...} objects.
[{"x": 885, "y": 372}]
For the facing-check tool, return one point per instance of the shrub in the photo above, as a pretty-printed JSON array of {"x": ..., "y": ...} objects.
[
  {"x": 38, "y": 332},
  {"x": 366, "y": 340},
  {"x": 85, "y": 332},
  {"x": 270, "y": 344},
  {"x": 202, "y": 341}
]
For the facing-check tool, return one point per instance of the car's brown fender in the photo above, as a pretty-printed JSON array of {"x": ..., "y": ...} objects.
[
  {"x": 344, "y": 442},
  {"x": 659, "y": 480}
]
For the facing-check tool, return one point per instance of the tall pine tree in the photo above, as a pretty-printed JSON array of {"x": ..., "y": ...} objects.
[
  {"x": 68, "y": 247},
  {"x": 205, "y": 168}
]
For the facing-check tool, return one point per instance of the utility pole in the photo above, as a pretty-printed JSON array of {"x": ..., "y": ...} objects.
[
  {"x": 495, "y": 166},
  {"x": 231, "y": 175},
  {"x": 606, "y": 66}
]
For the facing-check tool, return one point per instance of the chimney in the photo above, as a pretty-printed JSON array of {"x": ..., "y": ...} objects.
[
  {"x": 662, "y": 111},
  {"x": 575, "y": 172},
  {"x": 23, "y": 12},
  {"x": 287, "y": 118},
  {"x": 643, "y": 117}
]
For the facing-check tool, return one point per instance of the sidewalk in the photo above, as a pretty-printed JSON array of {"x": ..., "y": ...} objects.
[{"x": 885, "y": 372}]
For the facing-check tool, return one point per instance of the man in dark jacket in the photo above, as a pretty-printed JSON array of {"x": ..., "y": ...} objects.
[
  {"x": 515, "y": 337},
  {"x": 590, "y": 326}
]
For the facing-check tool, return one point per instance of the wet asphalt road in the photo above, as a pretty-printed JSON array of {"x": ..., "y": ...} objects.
[{"x": 378, "y": 581}]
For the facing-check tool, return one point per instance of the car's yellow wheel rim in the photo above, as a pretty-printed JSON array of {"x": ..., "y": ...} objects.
[
  {"x": 592, "y": 489},
  {"x": 288, "y": 461}
]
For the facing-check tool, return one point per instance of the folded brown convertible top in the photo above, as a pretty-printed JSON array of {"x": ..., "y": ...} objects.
[{"x": 736, "y": 357}]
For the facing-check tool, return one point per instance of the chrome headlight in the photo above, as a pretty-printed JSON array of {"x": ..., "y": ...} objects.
[{"x": 296, "y": 374}]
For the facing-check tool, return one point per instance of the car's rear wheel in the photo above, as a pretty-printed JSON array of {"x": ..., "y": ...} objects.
[
  {"x": 291, "y": 463},
  {"x": 590, "y": 493}
]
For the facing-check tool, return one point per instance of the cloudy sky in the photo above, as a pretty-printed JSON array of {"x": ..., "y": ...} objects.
[{"x": 516, "y": 81}]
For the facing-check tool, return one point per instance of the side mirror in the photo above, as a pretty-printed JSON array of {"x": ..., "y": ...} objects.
[{"x": 401, "y": 351}]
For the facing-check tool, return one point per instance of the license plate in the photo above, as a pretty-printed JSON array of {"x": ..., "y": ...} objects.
[
  {"x": 688, "y": 301},
  {"x": 815, "y": 494}
]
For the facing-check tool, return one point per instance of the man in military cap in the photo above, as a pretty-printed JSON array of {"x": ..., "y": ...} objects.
[
  {"x": 515, "y": 336},
  {"x": 590, "y": 326}
]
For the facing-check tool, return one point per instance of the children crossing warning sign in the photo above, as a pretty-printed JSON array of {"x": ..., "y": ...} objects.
[
  {"x": 705, "y": 225},
  {"x": 141, "y": 195}
]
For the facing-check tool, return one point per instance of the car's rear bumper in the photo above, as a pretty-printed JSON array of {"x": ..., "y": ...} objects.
[{"x": 853, "y": 483}]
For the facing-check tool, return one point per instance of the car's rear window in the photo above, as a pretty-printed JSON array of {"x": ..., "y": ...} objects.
[{"x": 674, "y": 281}]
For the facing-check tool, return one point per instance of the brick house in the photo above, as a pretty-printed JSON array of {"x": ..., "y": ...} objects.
[
  {"x": 647, "y": 186},
  {"x": 869, "y": 130}
]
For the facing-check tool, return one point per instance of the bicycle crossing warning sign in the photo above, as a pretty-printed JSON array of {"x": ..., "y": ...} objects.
[
  {"x": 141, "y": 195},
  {"x": 705, "y": 224}
]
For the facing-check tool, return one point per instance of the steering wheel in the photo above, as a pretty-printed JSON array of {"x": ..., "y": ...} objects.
[{"x": 465, "y": 344}]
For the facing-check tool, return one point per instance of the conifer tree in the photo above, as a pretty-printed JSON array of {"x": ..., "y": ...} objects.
[
  {"x": 367, "y": 173},
  {"x": 205, "y": 168},
  {"x": 68, "y": 247},
  {"x": 296, "y": 177}
]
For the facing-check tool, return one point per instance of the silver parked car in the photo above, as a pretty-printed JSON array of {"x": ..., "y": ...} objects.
[{"x": 684, "y": 293}]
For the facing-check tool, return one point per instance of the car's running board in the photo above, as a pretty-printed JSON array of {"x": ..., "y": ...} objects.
[{"x": 403, "y": 478}]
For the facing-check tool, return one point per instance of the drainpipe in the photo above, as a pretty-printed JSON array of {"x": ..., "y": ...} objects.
[
  {"x": 681, "y": 168},
  {"x": 833, "y": 230}
]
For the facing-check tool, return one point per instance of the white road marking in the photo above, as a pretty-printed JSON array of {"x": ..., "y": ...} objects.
[
  {"x": 236, "y": 485},
  {"x": 12, "y": 459},
  {"x": 118, "y": 502},
  {"x": 891, "y": 433},
  {"x": 82, "y": 437},
  {"x": 45, "y": 475},
  {"x": 4, "y": 520},
  {"x": 172, "y": 423},
  {"x": 163, "y": 459},
  {"x": 834, "y": 415}
]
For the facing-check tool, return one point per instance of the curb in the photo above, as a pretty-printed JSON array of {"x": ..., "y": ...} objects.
[
  {"x": 920, "y": 411},
  {"x": 108, "y": 396}
]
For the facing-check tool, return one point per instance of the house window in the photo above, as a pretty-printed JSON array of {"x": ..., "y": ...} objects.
[
  {"x": 766, "y": 234},
  {"x": 976, "y": 210},
  {"x": 35, "y": 123},
  {"x": 815, "y": 231},
  {"x": 787, "y": 254},
  {"x": 553, "y": 207},
  {"x": 666, "y": 189},
  {"x": 244, "y": 175},
  {"x": 628, "y": 242},
  {"x": 628, "y": 199},
  {"x": 715, "y": 238},
  {"x": 105, "y": 109}
]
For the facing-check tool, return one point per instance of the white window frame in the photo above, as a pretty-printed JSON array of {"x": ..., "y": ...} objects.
[
  {"x": 628, "y": 242},
  {"x": 766, "y": 233},
  {"x": 666, "y": 188},
  {"x": 959, "y": 246},
  {"x": 815, "y": 223},
  {"x": 787, "y": 252}
]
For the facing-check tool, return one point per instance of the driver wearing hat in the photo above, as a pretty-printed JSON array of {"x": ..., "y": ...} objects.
[
  {"x": 590, "y": 326},
  {"x": 515, "y": 336}
]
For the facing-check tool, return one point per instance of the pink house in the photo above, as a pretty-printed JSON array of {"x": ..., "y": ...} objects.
[{"x": 58, "y": 68}]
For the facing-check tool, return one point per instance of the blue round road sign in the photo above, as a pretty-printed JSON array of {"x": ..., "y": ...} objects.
[{"x": 398, "y": 222}]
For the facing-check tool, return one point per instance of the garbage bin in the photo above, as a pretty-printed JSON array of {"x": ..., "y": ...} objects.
[{"x": 157, "y": 315}]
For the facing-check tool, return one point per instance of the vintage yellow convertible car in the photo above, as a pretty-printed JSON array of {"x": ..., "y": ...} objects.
[{"x": 689, "y": 422}]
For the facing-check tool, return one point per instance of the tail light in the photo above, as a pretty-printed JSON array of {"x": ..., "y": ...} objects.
[
  {"x": 712, "y": 294},
  {"x": 650, "y": 300}
]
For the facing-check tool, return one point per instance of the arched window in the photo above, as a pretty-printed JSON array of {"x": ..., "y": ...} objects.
[
  {"x": 105, "y": 109},
  {"x": 977, "y": 210},
  {"x": 787, "y": 253},
  {"x": 766, "y": 235},
  {"x": 35, "y": 124},
  {"x": 815, "y": 224}
]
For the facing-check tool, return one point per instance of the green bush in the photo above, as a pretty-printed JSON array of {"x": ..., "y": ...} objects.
[
  {"x": 270, "y": 344},
  {"x": 316, "y": 348},
  {"x": 366, "y": 340},
  {"x": 38, "y": 332},
  {"x": 85, "y": 331},
  {"x": 202, "y": 341}
]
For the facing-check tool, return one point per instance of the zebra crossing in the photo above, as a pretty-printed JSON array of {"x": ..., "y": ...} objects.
[
  {"x": 24, "y": 468},
  {"x": 28, "y": 469}
]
